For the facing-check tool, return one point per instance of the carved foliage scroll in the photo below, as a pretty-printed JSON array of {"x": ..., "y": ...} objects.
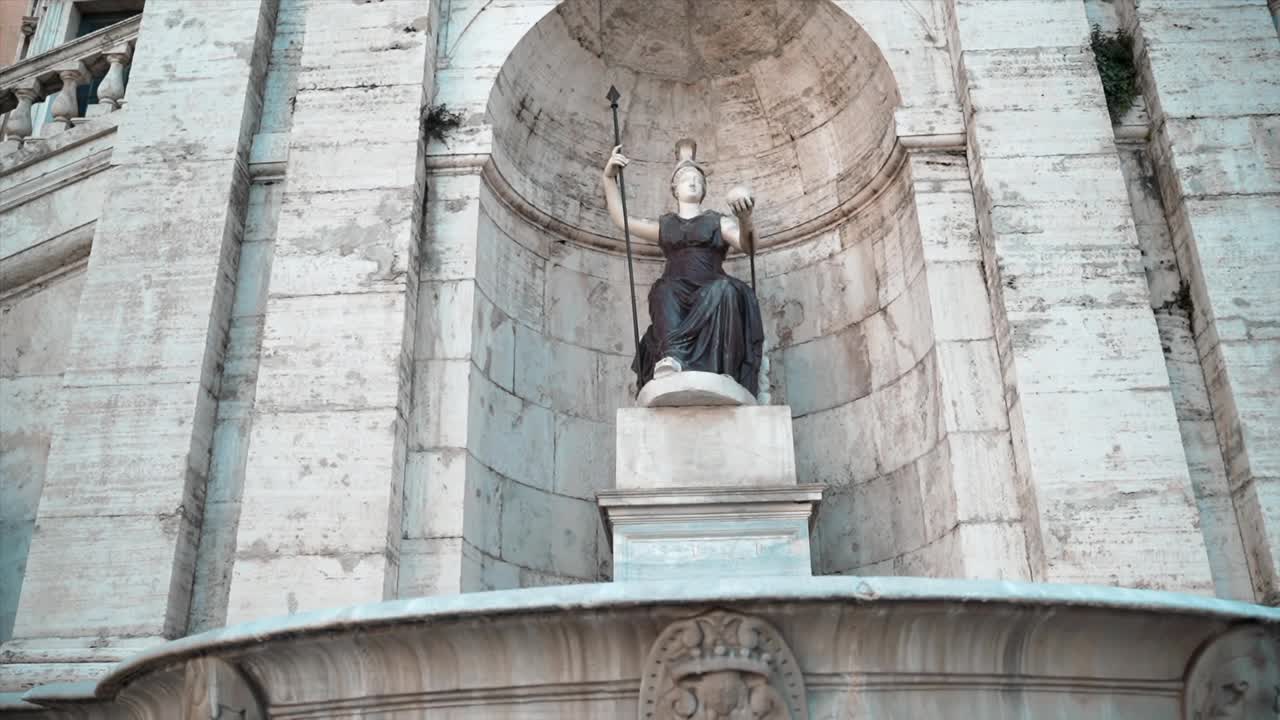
[{"x": 721, "y": 666}]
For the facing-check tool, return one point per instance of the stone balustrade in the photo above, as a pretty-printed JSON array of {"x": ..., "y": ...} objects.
[{"x": 56, "y": 76}]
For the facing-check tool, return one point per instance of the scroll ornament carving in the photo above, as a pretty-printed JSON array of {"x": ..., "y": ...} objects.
[
  {"x": 216, "y": 690},
  {"x": 1235, "y": 677},
  {"x": 721, "y": 666}
]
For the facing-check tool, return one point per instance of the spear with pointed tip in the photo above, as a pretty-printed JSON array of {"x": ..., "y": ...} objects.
[{"x": 626, "y": 225}]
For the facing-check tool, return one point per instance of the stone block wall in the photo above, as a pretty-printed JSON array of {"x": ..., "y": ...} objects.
[
  {"x": 1171, "y": 306},
  {"x": 983, "y": 511},
  {"x": 129, "y": 455},
  {"x": 229, "y": 453},
  {"x": 33, "y": 347},
  {"x": 332, "y": 398},
  {"x": 524, "y": 362},
  {"x": 1206, "y": 75},
  {"x": 851, "y": 345},
  {"x": 1095, "y": 434},
  {"x": 50, "y": 200},
  {"x": 295, "y": 296}
]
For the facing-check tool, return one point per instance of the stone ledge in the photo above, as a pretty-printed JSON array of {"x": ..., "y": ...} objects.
[
  {"x": 695, "y": 533},
  {"x": 687, "y": 495}
]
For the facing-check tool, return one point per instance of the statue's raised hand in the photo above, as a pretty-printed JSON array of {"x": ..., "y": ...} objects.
[
  {"x": 741, "y": 202},
  {"x": 617, "y": 161}
]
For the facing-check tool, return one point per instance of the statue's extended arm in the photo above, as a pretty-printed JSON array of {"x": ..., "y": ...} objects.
[
  {"x": 740, "y": 230},
  {"x": 641, "y": 228}
]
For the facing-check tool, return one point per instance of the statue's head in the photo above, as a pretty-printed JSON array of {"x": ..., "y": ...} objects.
[{"x": 688, "y": 179}]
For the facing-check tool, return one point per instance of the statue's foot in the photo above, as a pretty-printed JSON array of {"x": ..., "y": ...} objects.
[{"x": 666, "y": 366}]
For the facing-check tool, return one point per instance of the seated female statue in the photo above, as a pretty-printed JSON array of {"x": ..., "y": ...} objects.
[{"x": 702, "y": 318}]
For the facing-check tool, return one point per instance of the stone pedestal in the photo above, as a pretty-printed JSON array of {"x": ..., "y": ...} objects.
[{"x": 707, "y": 491}]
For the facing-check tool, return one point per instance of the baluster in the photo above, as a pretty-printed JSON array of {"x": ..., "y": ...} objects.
[
  {"x": 17, "y": 126},
  {"x": 111, "y": 91},
  {"x": 65, "y": 105}
]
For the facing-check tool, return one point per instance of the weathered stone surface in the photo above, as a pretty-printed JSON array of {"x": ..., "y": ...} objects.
[
  {"x": 339, "y": 323},
  {"x": 511, "y": 435},
  {"x": 831, "y": 370},
  {"x": 958, "y": 318},
  {"x": 1218, "y": 517},
  {"x": 853, "y": 459},
  {"x": 691, "y": 533},
  {"x": 33, "y": 344},
  {"x": 1205, "y": 80},
  {"x": 1061, "y": 375},
  {"x": 956, "y": 635}
]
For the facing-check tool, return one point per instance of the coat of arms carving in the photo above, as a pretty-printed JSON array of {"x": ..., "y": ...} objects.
[{"x": 721, "y": 666}]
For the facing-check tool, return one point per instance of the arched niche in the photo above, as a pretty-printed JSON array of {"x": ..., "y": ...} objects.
[{"x": 790, "y": 97}]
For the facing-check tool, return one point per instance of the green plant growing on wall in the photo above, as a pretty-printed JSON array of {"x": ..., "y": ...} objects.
[
  {"x": 1113, "y": 53},
  {"x": 438, "y": 121}
]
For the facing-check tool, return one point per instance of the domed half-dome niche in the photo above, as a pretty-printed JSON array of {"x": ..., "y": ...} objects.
[{"x": 790, "y": 97}]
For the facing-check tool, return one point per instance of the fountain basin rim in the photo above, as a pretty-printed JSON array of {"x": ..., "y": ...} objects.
[{"x": 724, "y": 591}]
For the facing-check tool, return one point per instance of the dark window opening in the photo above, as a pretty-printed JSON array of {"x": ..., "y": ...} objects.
[{"x": 91, "y": 21}]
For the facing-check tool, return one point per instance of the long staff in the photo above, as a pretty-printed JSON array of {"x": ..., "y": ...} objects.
[{"x": 626, "y": 225}]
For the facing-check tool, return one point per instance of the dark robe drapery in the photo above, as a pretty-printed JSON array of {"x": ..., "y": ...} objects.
[{"x": 702, "y": 317}]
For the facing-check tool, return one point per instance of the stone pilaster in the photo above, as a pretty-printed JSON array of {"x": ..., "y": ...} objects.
[
  {"x": 977, "y": 500},
  {"x": 1095, "y": 436},
  {"x": 445, "y": 512},
  {"x": 320, "y": 519},
  {"x": 111, "y": 559},
  {"x": 1208, "y": 74}
]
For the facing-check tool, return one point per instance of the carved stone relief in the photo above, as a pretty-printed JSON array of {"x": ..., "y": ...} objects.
[
  {"x": 216, "y": 690},
  {"x": 1236, "y": 676},
  {"x": 721, "y": 666}
]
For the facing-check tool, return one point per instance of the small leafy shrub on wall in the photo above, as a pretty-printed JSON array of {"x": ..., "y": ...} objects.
[
  {"x": 438, "y": 121},
  {"x": 1114, "y": 54}
]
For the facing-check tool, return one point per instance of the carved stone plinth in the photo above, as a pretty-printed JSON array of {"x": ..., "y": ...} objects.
[
  {"x": 696, "y": 533},
  {"x": 707, "y": 491},
  {"x": 705, "y": 447}
]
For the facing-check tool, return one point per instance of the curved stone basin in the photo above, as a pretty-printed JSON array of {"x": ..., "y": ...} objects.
[{"x": 866, "y": 648}]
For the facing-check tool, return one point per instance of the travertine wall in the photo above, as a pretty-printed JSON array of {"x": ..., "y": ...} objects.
[
  {"x": 792, "y": 99},
  {"x": 230, "y": 445},
  {"x": 343, "y": 281},
  {"x": 1095, "y": 434},
  {"x": 49, "y": 202},
  {"x": 319, "y": 359},
  {"x": 1208, "y": 77},
  {"x": 33, "y": 348},
  {"x": 127, "y": 464},
  {"x": 522, "y": 367},
  {"x": 1171, "y": 306},
  {"x": 852, "y": 348}
]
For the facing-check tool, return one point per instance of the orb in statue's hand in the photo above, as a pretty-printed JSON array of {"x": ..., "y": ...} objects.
[{"x": 740, "y": 200}]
